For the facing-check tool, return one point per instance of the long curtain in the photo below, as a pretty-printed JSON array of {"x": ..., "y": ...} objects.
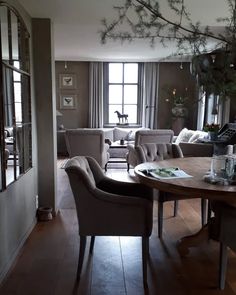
[
  {"x": 149, "y": 90},
  {"x": 95, "y": 95}
]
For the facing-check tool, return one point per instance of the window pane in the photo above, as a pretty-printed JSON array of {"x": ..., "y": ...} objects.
[
  {"x": 131, "y": 73},
  {"x": 17, "y": 92},
  {"x": 130, "y": 94},
  {"x": 131, "y": 110},
  {"x": 14, "y": 34},
  {"x": 112, "y": 116},
  {"x": 115, "y": 94},
  {"x": 4, "y": 33},
  {"x": 115, "y": 73},
  {"x": 16, "y": 76},
  {"x": 18, "y": 112}
]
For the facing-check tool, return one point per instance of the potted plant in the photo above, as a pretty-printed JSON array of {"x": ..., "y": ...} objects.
[
  {"x": 212, "y": 130},
  {"x": 177, "y": 98}
]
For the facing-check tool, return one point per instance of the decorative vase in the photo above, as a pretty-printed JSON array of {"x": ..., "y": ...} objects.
[
  {"x": 179, "y": 110},
  {"x": 213, "y": 135}
]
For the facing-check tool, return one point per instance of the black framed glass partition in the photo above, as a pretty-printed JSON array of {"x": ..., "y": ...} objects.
[{"x": 15, "y": 100}]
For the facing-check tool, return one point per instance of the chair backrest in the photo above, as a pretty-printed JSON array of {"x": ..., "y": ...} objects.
[
  {"x": 87, "y": 142},
  {"x": 150, "y": 152},
  {"x": 153, "y": 136},
  {"x": 82, "y": 181}
]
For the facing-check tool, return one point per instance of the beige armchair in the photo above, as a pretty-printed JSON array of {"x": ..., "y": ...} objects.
[
  {"x": 87, "y": 142},
  {"x": 146, "y": 136},
  {"x": 150, "y": 152},
  {"x": 106, "y": 207}
]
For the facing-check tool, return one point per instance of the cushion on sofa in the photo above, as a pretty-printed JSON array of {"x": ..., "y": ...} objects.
[
  {"x": 184, "y": 135},
  {"x": 119, "y": 133},
  {"x": 131, "y": 135},
  {"x": 198, "y": 135}
]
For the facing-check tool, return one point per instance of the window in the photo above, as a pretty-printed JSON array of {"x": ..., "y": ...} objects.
[
  {"x": 121, "y": 92},
  {"x": 15, "y": 102}
]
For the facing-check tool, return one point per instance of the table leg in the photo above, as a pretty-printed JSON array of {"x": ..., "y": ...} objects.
[{"x": 194, "y": 240}]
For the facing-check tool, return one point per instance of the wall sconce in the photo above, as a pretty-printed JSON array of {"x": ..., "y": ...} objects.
[
  {"x": 65, "y": 65},
  {"x": 149, "y": 107}
]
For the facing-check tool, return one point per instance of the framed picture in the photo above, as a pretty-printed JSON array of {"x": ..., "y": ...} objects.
[
  {"x": 67, "y": 81},
  {"x": 68, "y": 102}
]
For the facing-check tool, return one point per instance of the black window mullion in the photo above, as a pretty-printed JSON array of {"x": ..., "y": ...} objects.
[
  {"x": 123, "y": 88},
  {"x": 9, "y": 36}
]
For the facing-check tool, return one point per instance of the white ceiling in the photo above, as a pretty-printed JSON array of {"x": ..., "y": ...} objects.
[{"x": 77, "y": 23}]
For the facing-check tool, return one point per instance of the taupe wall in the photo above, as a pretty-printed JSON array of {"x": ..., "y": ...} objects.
[
  {"x": 171, "y": 74},
  {"x": 75, "y": 118},
  {"x": 17, "y": 203},
  {"x": 44, "y": 71}
]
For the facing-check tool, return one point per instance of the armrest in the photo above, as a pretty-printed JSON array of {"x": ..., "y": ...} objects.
[
  {"x": 106, "y": 147},
  {"x": 132, "y": 155},
  {"x": 130, "y": 147},
  {"x": 125, "y": 188}
]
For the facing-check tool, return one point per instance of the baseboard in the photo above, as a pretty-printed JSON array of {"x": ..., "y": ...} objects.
[{"x": 16, "y": 252}]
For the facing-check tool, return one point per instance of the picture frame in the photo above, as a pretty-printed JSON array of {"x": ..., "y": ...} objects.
[
  {"x": 68, "y": 102},
  {"x": 67, "y": 81}
]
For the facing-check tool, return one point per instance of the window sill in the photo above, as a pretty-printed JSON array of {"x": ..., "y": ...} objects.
[{"x": 122, "y": 126}]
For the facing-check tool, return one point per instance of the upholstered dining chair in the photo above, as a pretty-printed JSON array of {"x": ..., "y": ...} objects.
[
  {"x": 150, "y": 152},
  {"x": 106, "y": 207},
  {"x": 222, "y": 227},
  {"x": 146, "y": 136}
]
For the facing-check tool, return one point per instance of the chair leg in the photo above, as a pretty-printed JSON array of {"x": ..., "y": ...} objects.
[
  {"x": 105, "y": 167},
  {"x": 160, "y": 219},
  {"x": 209, "y": 211},
  {"x": 204, "y": 211},
  {"x": 92, "y": 244},
  {"x": 81, "y": 255},
  {"x": 128, "y": 167},
  {"x": 223, "y": 265},
  {"x": 145, "y": 251},
  {"x": 176, "y": 206}
]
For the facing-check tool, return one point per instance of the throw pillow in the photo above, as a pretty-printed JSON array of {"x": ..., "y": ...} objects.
[
  {"x": 197, "y": 135},
  {"x": 120, "y": 133},
  {"x": 130, "y": 136},
  {"x": 184, "y": 135}
]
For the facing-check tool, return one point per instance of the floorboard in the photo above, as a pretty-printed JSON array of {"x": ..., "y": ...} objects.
[{"x": 48, "y": 261}]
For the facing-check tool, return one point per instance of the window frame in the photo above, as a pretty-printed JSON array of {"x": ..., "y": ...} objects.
[
  {"x": 21, "y": 154},
  {"x": 106, "y": 85}
]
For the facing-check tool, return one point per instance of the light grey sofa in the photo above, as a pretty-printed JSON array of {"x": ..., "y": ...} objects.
[
  {"x": 116, "y": 134},
  {"x": 191, "y": 145}
]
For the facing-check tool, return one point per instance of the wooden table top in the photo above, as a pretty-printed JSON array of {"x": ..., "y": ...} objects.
[{"x": 193, "y": 187}]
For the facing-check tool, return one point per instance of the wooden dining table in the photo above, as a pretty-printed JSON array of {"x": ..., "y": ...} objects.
[{"x": 192, "y": 187}]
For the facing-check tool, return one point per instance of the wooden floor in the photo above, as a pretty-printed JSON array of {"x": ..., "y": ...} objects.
[{"x": 48, "y": 261}]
